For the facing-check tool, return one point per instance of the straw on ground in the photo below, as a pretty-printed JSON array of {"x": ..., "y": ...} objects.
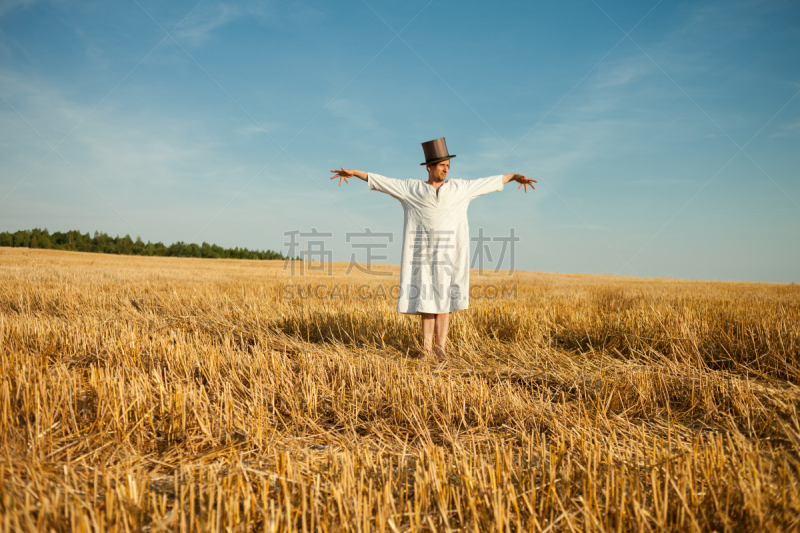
[{"x": 158, "y": 394}]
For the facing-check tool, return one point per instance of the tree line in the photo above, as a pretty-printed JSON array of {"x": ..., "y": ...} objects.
[{"x": 75, "y": 241}]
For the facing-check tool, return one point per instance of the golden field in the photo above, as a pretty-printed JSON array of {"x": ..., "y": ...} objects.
[{"x": 161, "y": 394}]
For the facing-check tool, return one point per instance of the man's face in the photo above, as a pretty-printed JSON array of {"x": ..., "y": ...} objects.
[{"x": 438, "y": 172}]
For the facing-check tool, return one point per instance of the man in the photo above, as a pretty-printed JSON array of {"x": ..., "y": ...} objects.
[{"x": 434, "y": 269}]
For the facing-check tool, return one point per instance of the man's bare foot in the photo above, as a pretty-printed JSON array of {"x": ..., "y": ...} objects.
[
  {"x": 426, "y": 355},
  {"x": 440, "y": 354}
]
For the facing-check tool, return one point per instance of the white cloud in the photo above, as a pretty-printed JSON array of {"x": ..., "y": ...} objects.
[
  {"x": 622, "y": 73},
  {"x": 627, "y": 106},
  {"x": 250, "y": 129},
  {"x": 202, "y": 23},
  {"x": 353, "y": 112},
  {"x": 788, "y": 130},
  {"x": 731, "y": 20},
  {"x": 8, "y": 5},
  {"x": 129, "y": 148}
]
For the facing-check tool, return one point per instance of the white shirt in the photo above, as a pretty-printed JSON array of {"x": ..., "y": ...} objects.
[{"x": 434, "y": 268}]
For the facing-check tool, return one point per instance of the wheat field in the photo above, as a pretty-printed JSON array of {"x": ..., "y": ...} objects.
[{"x": 161, "y": 394}]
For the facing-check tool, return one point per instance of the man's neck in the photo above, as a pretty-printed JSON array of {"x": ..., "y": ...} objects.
[{"x": 435, "y": 182}]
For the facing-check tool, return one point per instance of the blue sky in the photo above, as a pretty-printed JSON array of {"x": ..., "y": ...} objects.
[{"x": 672, "y": 151}]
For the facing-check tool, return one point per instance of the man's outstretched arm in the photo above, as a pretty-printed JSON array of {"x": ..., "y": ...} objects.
[
  {"x": 345, "y": 174},
  {"x": 522, "y": 180},
  {"x": 376, "y": 182}
]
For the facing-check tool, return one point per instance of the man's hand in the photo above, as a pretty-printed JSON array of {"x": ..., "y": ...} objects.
[
  {"x": 522, "y": 180},
  {"x": 345, "y": 174},
  {"x": 342, "y": 175}
]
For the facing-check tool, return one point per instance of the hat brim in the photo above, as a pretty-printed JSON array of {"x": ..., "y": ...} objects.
[{"x": 439, "y": 160}]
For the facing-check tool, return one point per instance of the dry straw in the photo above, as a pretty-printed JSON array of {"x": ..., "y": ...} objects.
[{"x": 157, "y": 394}]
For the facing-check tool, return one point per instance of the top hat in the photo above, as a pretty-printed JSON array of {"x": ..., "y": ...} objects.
[{"x": 435, "y": 151}]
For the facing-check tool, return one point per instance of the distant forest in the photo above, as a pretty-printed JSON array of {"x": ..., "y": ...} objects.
[{"x": 75, "y": 241}]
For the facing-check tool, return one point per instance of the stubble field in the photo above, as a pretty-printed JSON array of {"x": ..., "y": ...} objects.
[{"x": 158, "y": 394}]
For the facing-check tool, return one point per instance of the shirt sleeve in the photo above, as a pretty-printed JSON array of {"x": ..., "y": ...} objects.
[
  {"x": 482, "y": 186},
  {"x": 391, "y": 186}
]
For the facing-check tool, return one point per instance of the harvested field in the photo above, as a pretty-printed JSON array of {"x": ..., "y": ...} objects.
[{"x": 157, "y": 394}]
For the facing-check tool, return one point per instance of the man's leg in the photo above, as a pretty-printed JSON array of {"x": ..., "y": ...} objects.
[
  {"x": 428, "y": 325},
  {"x": 442, "y": 325}
]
